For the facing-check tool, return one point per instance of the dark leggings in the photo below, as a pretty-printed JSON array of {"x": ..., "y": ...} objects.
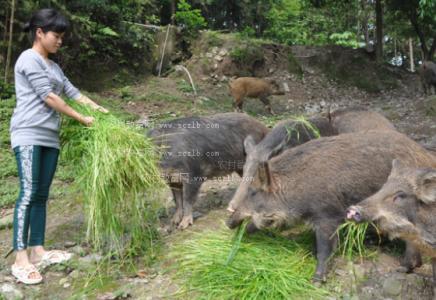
[{"x": 36, "y": 168}]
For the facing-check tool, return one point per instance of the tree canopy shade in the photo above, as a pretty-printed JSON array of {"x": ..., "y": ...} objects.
[{"x": 108, "y": 33}]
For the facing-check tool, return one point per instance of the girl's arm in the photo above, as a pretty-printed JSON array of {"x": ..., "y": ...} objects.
[
  {"x": 85, "y": 100},
  {"x": 59, "y": 105}
]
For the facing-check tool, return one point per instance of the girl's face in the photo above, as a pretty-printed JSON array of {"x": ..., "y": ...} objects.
[{"x": 51, "y": 41}]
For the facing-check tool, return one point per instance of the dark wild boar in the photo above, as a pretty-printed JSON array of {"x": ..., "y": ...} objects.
[
  {"x": 290, "y": 133},
  {"x": 316, "y": 182},
  {"x": 198, "y": 148},
  {"x": 405, "y": 207},
  {"x": 255, "y": 88},
  {"x": 427, "y": 74}
]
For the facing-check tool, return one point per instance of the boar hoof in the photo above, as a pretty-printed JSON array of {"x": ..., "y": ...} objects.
[
  {"x": 177, "y": 218},
  {"x": 186, "y": 221},
  {"x": 318, "y": 279}
]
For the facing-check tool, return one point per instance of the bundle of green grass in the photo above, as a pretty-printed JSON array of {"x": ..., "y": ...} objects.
[
  {"x": 213, "y": 265},
  {"x": 115, "y": 169}
]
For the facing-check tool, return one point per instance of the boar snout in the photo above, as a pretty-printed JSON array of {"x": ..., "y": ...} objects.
[
  {"x": 354, "y": 213},
  {"x": 230, "y": 209},
  {"x": 234, "y": 221}
]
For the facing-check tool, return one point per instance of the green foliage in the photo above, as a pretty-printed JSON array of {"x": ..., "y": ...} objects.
[
  {"x": 351, "y": 239},
  {"x": 346, "y": 39},
  {"x": 213, "y": 265},
  {"x": 184, "y": 86},
  {"x": 247, "y": 54},
  {"x": 190, "y": 19},
  {"x": 115, "y": 167},
  {"x": 8, "y": 168},
  {"x": 6, "y": 90}
]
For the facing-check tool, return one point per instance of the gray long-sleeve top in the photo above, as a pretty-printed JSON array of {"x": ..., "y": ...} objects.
[{"x": 33, "y": 121}]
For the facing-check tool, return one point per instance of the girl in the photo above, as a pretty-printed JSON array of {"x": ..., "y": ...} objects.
[{"x": 34, "y": 133}]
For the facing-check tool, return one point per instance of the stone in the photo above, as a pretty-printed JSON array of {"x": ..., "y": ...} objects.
[
  {"x": 9, "y": 292},
  {"x": 218, "y": 58},
  {"x": 69, "y": 244},
  {"x": 91, "y": 258},
  {"x": 78, "y": 250},
  {"x": 392, "y": 286},
  {"x": 223, "y": 52}
]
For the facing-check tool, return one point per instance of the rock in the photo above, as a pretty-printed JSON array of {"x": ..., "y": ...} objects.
[
  {"x": 218, "y": 58},
  {"x": 69, "y": 244},
  {"x": 392, "y": 285},
  {"x": 9, "y": 292},
  {"x": 75, "y": 274},
  {"x": 78, "y": 251},
  {"x": 286, "y": 87},
  {"x": 223, "y": 52},
  {"x": 209, "y": 55},
  {"x": 63, "y": 281},
  {"x": 214, "y": 50},
  {"x": 91, "y": 258}
]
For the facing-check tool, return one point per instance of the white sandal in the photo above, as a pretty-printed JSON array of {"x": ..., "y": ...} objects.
[
  {"x": 23, "y": 274},
  {"x": 54, "y": 257}
]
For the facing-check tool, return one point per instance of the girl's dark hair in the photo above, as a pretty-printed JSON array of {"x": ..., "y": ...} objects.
[{"x": 48, "y": 19}]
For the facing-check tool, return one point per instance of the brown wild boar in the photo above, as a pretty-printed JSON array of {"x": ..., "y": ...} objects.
[
  {"x": 427, "y": 74},
  {"x": 255, "y": 88},
  {"x": 291, "y": 133},
  {"x": 405, "y": 207},
  {"x": 199, "y": 148},
  {"x": 316, "y": 182}
]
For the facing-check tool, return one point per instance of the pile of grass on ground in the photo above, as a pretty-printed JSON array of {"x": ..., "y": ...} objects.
[
  {"x": 116, "y": 171},
  {"x": 212, "y": 265}
]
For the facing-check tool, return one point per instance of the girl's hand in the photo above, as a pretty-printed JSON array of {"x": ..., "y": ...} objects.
[
  {"x": 87, "y": 121},
  {"x": 101, "y": 109}
]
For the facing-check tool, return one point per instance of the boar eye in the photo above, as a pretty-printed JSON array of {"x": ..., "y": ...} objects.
[{"x": 399, "y": 196}]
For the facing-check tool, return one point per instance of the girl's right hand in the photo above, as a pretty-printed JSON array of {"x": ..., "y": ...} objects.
[{"x": 87, "y": 121}]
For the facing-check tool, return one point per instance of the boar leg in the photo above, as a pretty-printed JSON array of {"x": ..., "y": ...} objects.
[
  {"x": 190, "y": 195},
  {"x": 238, "y": 104},
  {"x": 178, "y": 199},
  {"x": 411, "y": 260},
  {"x": 267, "y": 104},
  {"x": 326, "y": 241}
]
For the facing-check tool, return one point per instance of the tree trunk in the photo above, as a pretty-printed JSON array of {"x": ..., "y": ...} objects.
[
  {"x": 11, "y": 31},
  {"x": 414, "y": 21},
  {"x": 365, "y": 28},
  {"x": 173, "y": 12},
  {"x": 412, "y": 62},
  {"x": 5, "y": 36},
  {"x": 379, "y": 29}
]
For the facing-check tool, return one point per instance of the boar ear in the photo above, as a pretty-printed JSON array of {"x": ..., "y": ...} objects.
[
  {"x": 249, "y": 144},
  {"x": 264, "y": 176},
  {"x": 277, "y": 149},
  {"x": 397, "y": 165},
  {"x": 426, "y": 190}
]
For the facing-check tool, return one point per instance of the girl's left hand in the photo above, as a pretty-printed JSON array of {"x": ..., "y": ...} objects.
[{"x": 101, "y": 109}]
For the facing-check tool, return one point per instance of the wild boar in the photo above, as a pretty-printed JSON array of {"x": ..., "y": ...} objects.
[
  {"x": 316, "y": 181},
  {"x": 199, "y": 148},
  {"x": 254, "y": 87},
  {"x": 427, "y": 74},
  {"x": 290, "y": 133},
  {"x": 405, "y": 207}
]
